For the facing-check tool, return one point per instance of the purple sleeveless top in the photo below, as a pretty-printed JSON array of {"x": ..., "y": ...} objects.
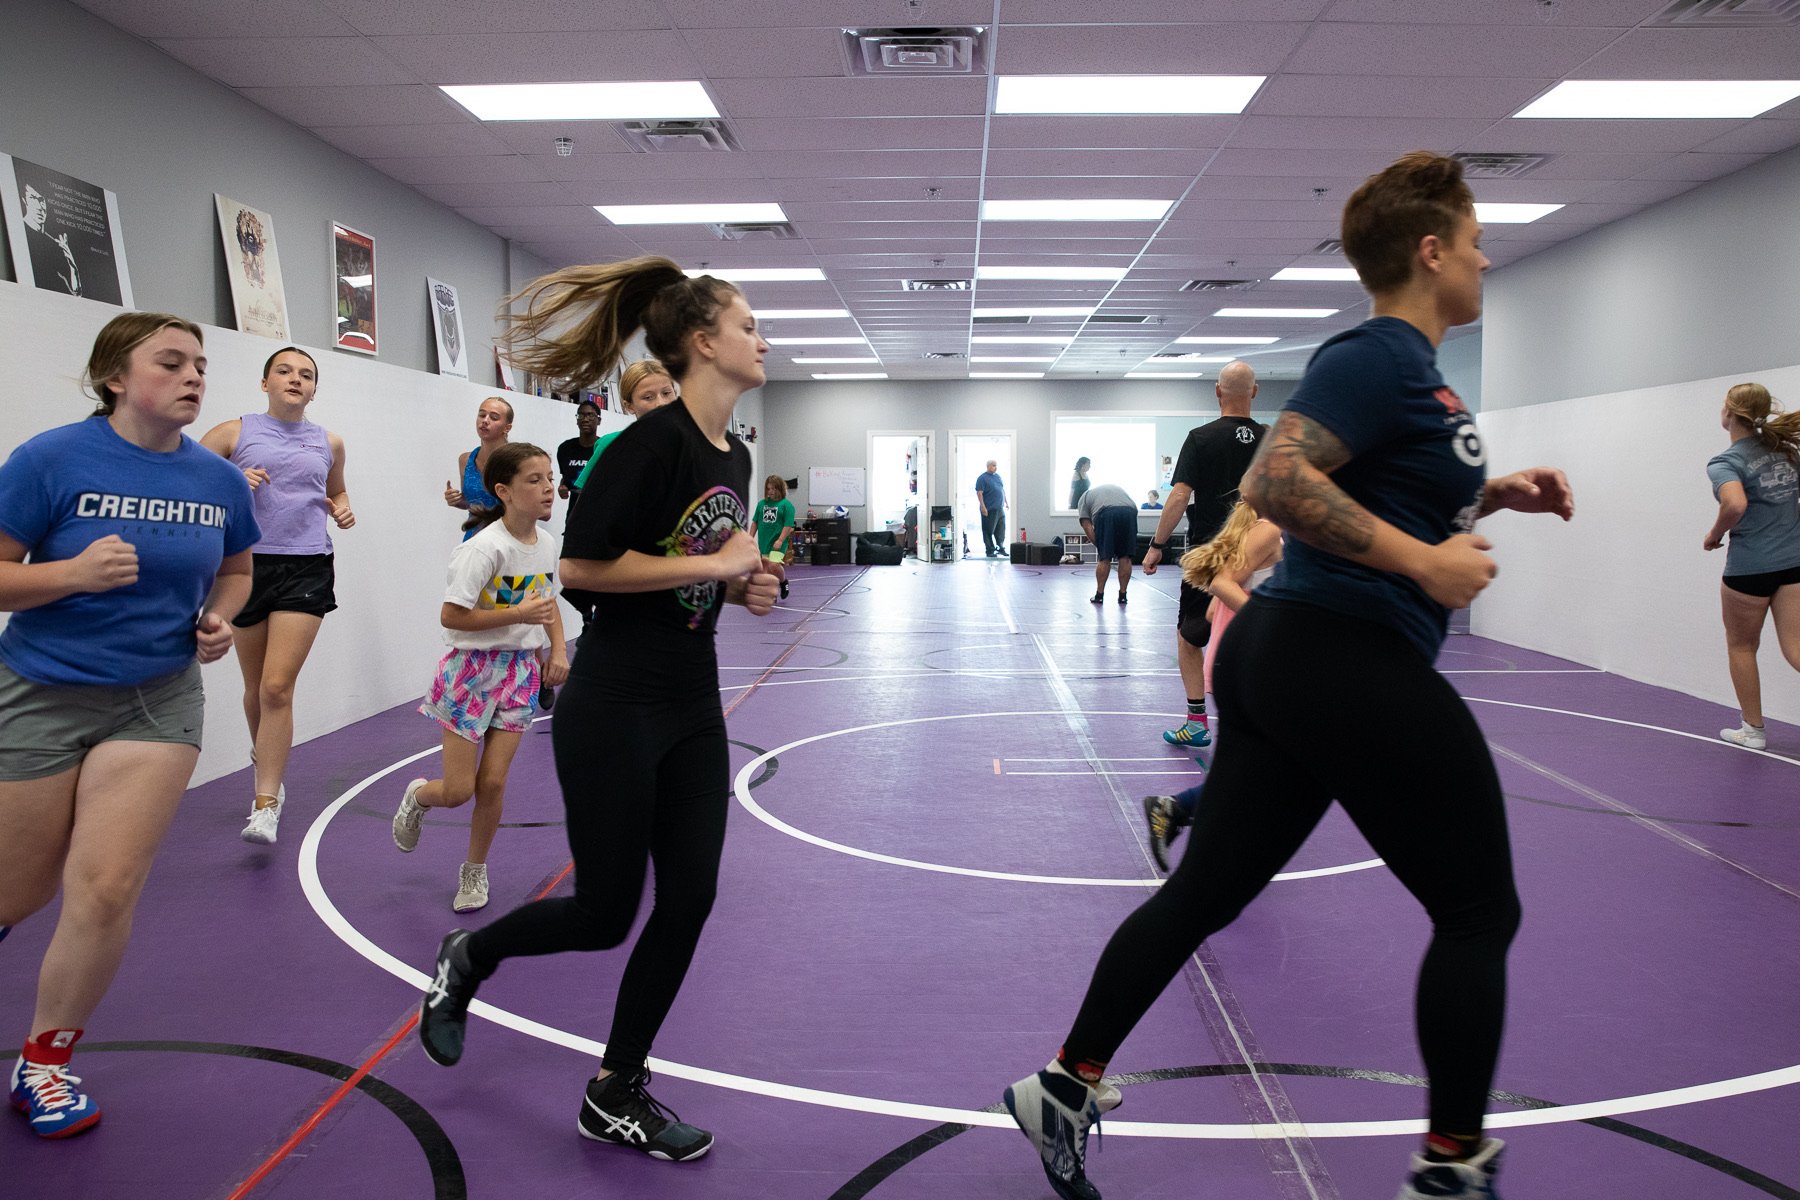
[{"x": 291, "y": 508}]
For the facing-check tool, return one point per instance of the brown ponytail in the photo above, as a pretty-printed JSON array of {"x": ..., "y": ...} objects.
[{"x": 1773, "y": 429}]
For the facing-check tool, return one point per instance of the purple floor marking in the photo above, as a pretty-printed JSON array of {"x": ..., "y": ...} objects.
[{"x": 1642, "y": 966}]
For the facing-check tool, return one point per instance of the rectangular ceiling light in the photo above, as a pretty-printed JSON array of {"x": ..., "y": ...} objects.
[
  {"x": 1660, "y": 99},
  {"x": 1104, "y": 274},
  {"x": 1107, "y": 94},
  {"x": 688, "y": 214},
  {"x": 1033, "y": 312},
  {"x": 762, "y": 274},
  {"x": 819, "y": 362},
  {"x": 997, "y": 339},
  {"x": 1346, "y": 274},
  {"x": 1162, "y": 375},
  {"x": 669, "y": 100},
  {"x": 1006, "y": 374},
  {"x": 1075, "y": 210},
  {"x": 1275, "y": 312},
  {"x": 1011, "y": 358},
  {"x": 851, "y": 375},
  {"x": 828, "y": 341},
  {"x": 1227, "y": 341},
  {"x": 800, "y": 314},
  {"x": 1511, "y": 214}
]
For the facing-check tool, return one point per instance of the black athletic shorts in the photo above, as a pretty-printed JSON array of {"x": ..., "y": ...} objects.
[
  {"x": 1190, "y": 618},
  {"x": 1765, "y": 584},
  {"x": 301, "y": 583}
]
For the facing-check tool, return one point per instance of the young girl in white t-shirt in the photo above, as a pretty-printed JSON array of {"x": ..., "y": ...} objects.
[{"x": 505, "y": 632}]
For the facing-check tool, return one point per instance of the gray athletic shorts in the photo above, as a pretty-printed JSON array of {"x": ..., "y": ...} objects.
[{"x": 45, "y": 728}]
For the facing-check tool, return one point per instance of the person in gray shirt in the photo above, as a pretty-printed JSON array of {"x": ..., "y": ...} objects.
[
  {"x": 1756, "y": 481},
  {"x": 1110, "y": 518}
]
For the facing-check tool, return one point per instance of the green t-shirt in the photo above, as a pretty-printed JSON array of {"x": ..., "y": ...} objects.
[
  {"x": 772, "y": 516},
  {"x": 600, "y": 445}
]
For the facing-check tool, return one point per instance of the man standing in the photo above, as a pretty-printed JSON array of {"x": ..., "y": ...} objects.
[
  {"x": 1205, "y": 484},
  {"x": 990, "y": 493}
]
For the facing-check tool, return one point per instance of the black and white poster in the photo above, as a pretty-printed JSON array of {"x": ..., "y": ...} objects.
[
  {"x": 447, "y": 322},
  {"x": 64, "y": 233}
]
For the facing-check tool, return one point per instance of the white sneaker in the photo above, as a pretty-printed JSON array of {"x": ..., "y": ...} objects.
[
  {"x": 1471, "y": 1180},
  {"x": 1751, "y": 737},
  {"x": 408, "y": 817},
  {"x": 261, "y": 826},
  {"x": 471, "y": 888}
]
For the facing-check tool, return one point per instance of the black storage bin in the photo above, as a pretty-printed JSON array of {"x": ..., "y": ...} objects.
[{"x": 1020, "y": 553}]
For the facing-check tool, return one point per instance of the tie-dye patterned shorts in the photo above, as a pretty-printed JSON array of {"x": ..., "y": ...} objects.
[{"x": 476, "y": 690}]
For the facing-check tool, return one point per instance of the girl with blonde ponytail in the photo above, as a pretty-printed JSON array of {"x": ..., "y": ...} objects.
[
  {"x": 660, "y": 538},
  {"x": 1757, "y": 485}
]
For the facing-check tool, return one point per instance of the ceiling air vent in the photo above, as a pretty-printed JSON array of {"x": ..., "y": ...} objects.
[
  {"x": 923, "y": 51},
  {"x": 934, "y": 285},
  {"x": 1118, "y": 319},
  {"x": 1001, "y": 320},
  {"x": 754, "y": 231},
  {"x": 1501, "y": 166},
  {"x": 1329, "y": 246},
  {"x": 647, "y": 137},
  {"x": 1690, "y": 14},
  {"x": 943, "y": 354},
  {"x": 1215, "y": 285}
]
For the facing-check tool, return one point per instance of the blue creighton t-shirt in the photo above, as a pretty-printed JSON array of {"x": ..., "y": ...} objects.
[
  {"x": 184, "y": 511},
  {"x": 1417, "y": 462}
]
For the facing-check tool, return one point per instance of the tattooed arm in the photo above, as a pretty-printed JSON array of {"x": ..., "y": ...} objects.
[{"x": 1289, "y": 482}]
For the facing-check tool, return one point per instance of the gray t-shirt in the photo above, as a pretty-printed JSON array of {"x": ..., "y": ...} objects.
[
  {"x": 1103, "y": 495},
  {"x": 1768, "y": 538}
]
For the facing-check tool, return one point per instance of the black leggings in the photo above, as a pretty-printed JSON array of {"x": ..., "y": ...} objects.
[
  {"x": 642, "y": 782},
  {"x": 1416, "y": 778}
]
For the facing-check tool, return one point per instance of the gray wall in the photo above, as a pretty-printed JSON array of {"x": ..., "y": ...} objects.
[
  {"x": 825, "y": 424},
  {"x": 1703, "y": 285},
  {"x": 1460, "y": 361},
  {"x": 80, "y": 96}
]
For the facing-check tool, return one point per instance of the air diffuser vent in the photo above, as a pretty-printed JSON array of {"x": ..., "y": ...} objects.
[
  {"x": 1500, "y": 166},
  {"x": 924, "y": 51},
  {"x": 1215, "y": 285},
  {"x": 1329, "y": 246},
  {"x": 934, "y": 285},
  {"x": 754, "y": 231},
  {"x": 943, "y": 354},
  {"x": 1692, "y": 14},
  {"x": 1118, "y": 319},
  {"x": 648, "y": 137},
  {"x": 1002, "y": 320}
]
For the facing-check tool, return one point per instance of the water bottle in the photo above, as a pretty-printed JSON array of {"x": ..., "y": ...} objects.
[{"x": 1024, "y": 535}]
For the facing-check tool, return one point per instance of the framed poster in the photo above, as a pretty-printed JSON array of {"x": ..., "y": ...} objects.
[
  {"x": 254, "y": 268},
  {"x": 446, "y": 320},
  {"x": 353, "y": 273},
  {"x": 64, "y": 233}
]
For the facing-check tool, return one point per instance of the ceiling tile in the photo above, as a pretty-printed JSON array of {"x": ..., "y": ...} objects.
[
  {"x": 563, "y": 57},
  {"x": 1409, "y": 50},
  {"x": 270, "y": 62},
  {"x": 1235, "y": 48}
]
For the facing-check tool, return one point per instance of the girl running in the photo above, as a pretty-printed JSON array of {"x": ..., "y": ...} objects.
[
  {"x": 493, "y": 422},
  {"x": 504, "y": 628},
  {"x": 139, "y": 542},
  {"x": 775, "y": 524},
  {"x": 639, "y": 734},
  {"x": 1375, "y": 471},
  {"x": 296, "y": 472},
  {"x": 1756, "y": 482}
]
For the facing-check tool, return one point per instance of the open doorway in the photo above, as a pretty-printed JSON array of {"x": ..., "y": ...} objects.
[
  {"x": 899, "y": 484},
  {"x": 972, "y": 450}
]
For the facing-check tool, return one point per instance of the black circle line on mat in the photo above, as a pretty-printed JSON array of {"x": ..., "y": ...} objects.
[
  {"x": 889, "y": 1164},
  {"x": 447, "y": 1181},
  {"x": 839, "y": 661},
  {"x": 1608, "y": 812},
  {"x": 363, "y": 810}
]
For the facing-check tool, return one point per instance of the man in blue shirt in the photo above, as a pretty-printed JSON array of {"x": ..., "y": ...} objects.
[{"x": 990, "y": 493}]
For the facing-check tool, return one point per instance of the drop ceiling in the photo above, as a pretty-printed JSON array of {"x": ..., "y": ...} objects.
[{"x": 882, "y": 176}]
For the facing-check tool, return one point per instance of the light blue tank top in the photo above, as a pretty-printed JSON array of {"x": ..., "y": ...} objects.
[{"x": 291, "y": 507}]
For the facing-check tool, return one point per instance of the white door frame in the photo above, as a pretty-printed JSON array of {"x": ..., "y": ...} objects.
[
  {"x": 1012, "y": 457},
  {"x": 924, "y": 526}
]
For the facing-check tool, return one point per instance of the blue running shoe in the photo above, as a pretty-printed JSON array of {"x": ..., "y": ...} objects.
[
  {"x": 1191, "y": 733},
  {"x": 1054, "y": 1110},
  {"x": 48, "y": 1097},
  {"x": 1470, "y": 1180}
]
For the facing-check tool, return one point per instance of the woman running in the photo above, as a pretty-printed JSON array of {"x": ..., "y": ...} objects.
[
  {"x": 1758, "y": 489},
  {"x": 493, "y": 422},
  {"x": 639, "y": 735},
  {"x": 296, "y": 472},
  {"x": 505, "y": 631},
  {"x": 1375, "y": 471},
  {"x": 139, "y": 542}
]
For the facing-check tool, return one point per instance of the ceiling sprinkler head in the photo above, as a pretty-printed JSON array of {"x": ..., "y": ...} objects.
[{"x": 564, "y": 147}]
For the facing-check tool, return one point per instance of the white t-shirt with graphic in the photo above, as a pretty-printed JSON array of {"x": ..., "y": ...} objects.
[{"x": 494, "y": 569}]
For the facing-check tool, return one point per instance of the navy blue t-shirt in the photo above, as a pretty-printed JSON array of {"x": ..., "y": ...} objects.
[
  {"x": 1417, "y": 462},
  {"x": 185, "y": 511}
]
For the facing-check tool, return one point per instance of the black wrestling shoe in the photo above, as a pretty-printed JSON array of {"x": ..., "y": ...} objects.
[{"x": 618, "y": 1110}]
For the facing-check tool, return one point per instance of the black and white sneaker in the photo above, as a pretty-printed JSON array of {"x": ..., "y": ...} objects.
[
  {"x": 1055, "y": 1110},
  {"x": 617, "y": 1109},
  {"x": 444, "y": 1013}
]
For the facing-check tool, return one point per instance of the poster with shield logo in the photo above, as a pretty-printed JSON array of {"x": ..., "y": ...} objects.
[
  {"x": 446, "y": 319},
  {"x": 353, "y": 279}
]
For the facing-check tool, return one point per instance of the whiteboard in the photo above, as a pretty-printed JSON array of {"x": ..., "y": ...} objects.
[{"x": 836, "y": 485}]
